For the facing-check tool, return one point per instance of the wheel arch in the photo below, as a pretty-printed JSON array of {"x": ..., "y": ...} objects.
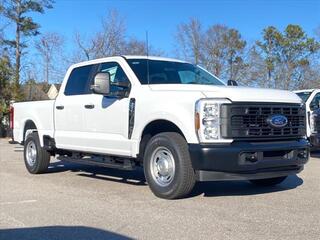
[
  {"x": 154, "y": 127},
  {"x": 28, "y": 125}
]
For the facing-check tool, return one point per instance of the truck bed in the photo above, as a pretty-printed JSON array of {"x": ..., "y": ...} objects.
[{"x": 39, "y": 112}]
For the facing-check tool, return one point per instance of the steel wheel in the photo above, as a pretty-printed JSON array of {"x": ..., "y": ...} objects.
[
  {"x": 162, "y": 166},
  {"x": 31, "y": 153}
]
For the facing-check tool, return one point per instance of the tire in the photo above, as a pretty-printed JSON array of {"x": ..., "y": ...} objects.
[
  {"x": 167, "y": 166},
  {"x": 36, "y": 158},
  {"x": 268, "y": 181}
]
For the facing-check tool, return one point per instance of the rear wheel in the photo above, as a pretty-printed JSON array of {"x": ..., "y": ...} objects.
[
  {"x": 167, "y": 166},
  {"x": 268, "y": 181},
  {"x": 36, "y": 158}
]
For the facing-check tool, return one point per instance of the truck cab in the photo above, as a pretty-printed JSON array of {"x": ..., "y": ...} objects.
[{"x": 311, "y": 97}]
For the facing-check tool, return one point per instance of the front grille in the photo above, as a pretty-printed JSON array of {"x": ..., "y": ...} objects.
[{"x": 243, "y": 120}]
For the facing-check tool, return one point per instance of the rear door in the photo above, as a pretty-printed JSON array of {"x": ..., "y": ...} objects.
[{"x": 70, "y": 108}]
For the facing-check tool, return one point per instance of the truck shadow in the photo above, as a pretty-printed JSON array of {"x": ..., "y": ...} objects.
[
  {"x": 238, "y": 188},
  {"x": 129, "y": 177},
  {"x": 315, "y": 154},
  {"x": 59, "y": 232},
  {"x": 207, "y": 189},
  {"x": 18, "y": 149}
]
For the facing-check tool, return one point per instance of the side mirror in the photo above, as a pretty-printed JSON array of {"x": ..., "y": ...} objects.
[
  {"x": 232, "y": 83},
  {"x": 101, "y": 83}
]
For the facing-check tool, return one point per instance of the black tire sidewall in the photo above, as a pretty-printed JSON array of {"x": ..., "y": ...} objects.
[
  {"x": 34, "y": 138},
  {"x": 163, "y": 141}
]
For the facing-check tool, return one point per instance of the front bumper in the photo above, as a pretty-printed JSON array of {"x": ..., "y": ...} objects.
[
  {"x": 315, "y": 140},
  {"x": 248, "y": 160}
]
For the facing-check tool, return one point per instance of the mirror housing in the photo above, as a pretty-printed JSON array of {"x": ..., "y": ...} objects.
[
  {"x": 232, "y": 83},
  {"x": 101, "y": 83}
]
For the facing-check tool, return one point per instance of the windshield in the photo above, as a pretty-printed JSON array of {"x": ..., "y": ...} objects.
[
  {"x": 166, "y": 72},
  {"x": 304, "y": 95}
]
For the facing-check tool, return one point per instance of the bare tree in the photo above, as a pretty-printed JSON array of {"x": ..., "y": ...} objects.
[
  {"x": 49, "y": 46},
  {"x": 189, "y": 40},
  {"x": 109, "y": 41},
  {"x": 215, "y": 54},
  {"x": 86, "y": 47},
  {"x": 136, "y": 47}
]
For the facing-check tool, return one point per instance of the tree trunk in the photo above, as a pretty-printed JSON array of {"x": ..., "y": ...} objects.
[
  {"x": 47, "y": 69},
  {"x": 18, "y": 54}
]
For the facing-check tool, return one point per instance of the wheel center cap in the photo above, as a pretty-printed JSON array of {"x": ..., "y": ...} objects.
[{"x": 163, "y": 167}]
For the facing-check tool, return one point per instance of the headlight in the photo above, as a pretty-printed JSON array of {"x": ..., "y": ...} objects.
[
  {"x": 313, "y": 123},
  {"x": 207, "y": 119}
]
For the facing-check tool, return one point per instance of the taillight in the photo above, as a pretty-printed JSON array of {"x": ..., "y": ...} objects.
[{"x": 11, "y": 117}]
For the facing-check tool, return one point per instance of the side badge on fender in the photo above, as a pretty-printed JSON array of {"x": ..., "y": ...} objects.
[{"x": 132, "y": 106}]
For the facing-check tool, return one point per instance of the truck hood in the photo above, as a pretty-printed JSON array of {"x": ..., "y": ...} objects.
[{"x": 234, "y": 93}]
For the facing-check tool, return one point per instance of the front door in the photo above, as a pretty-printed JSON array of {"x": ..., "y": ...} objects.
[{"x": 106, "y": 122}]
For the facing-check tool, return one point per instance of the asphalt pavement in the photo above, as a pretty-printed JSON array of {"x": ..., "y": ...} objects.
[{"x": 78, "y": 202}]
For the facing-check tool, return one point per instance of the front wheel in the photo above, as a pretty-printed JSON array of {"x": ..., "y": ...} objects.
[
  {"x": 36, "y": 158},
  {"x": 268, "y": 181},
  {"x": 167, "y": 166}
]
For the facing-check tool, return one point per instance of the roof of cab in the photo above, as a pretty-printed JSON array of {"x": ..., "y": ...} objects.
[
  {"x": 100, "y": 60},
  {"x": 304, "y": 90},
  {"x": 152, "y": 58}
]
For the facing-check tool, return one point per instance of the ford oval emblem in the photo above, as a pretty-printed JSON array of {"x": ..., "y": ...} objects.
[{"x": 277, "y": 121}]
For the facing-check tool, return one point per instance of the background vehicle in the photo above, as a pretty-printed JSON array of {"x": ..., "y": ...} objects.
[
  {"x": 311, "y": 97},
  {"x": 175, "y": 119}
]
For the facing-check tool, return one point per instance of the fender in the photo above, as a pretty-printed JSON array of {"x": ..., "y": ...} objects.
[
  {"x": 185, "y": 127},
  {"x": 38, "y": 129}
]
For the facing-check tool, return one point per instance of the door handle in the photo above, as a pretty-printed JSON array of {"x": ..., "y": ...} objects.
[
  {"x": 60, "y": 107},
  {"x": 89, "y": 106}
]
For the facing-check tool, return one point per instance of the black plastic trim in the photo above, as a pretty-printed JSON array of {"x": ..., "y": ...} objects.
[
  {"x": 218, "y": 176},
  {"x": 233, "y": 158},
  {"x": 260, "y": 130},
  {"x": 132, "y": 108}
]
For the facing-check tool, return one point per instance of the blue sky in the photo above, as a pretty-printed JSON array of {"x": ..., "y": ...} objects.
[{"x": 160, "y": 18}]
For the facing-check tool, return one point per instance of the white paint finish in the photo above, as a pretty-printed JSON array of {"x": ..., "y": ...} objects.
[
  {"x": 177, "y": 107},
  {"x": 104, "y": 129},
  {"x": 40, "y": 112},
  {"x": 234, "y": 93},
  {"x": 69, "y": 122},
  {"x": 106, "y": 125},
  {"x": 308, "y": 102}
]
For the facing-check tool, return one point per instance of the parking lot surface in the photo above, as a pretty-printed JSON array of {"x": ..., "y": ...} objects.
[{"x": 83, "y": 202}]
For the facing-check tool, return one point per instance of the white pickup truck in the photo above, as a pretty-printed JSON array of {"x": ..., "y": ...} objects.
[
  {"x": 178, "y": 121},
  {"x": 311, "y": 98}
]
